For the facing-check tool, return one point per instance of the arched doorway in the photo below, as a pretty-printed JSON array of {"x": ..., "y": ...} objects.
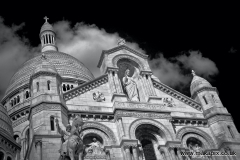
[
  {"x": 9, "y": 158},
  {"x": 1, "y": 155},
  {"x": 149, "y": 137}
]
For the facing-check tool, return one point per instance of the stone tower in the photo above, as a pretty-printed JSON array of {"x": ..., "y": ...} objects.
[{"x": 219, "y": 119}]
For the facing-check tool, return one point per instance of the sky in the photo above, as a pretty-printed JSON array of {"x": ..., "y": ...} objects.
[{"x": 177, "y": 40}]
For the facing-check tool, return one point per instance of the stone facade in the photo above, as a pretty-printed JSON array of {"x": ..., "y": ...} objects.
[{"x": 131, "y": 115}]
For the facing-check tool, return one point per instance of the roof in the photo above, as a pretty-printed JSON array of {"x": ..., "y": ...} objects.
[
  {"x": 46, "y": 27},
  {"x": 65, "y": 65},
  {"x": 198, "y": 83}
]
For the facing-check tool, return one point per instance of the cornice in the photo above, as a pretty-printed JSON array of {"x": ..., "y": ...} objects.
[
  {"x": 166, "y": 89},
  {"x": 118, "y": 48},
  {"x": 85, "y": 87},
  {"x": 204, "y": 89}
]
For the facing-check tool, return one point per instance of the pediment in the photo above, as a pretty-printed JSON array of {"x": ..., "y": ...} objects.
[{"x": 166, "y": 91}]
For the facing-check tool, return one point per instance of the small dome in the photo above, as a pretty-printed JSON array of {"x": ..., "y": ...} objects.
[
  {"x": 46, "y": 27},
  {"x": 6, "y": 123},
  {"x": 197, "y": 83}
]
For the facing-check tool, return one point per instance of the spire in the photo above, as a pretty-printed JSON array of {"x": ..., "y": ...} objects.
[{"x": 47, "y": 36}]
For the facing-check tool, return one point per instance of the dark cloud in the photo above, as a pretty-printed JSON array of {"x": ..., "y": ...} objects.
[
  {"x": 175, "y": 71},
  {"x": 13, "y": 53},
  {"x": 86, "y": 42}
]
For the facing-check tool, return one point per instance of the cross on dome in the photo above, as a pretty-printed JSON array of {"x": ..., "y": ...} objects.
[{"x": 46, "y": 19}]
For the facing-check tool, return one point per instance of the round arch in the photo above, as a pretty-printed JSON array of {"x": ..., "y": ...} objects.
[
  {"x": 195, "y": 131},
  {"x": 102, "y": 128},
  {"x": 105, "y": 138},
  {"x": 124, "y": 56},
  {"x": 164, "y": 131}
]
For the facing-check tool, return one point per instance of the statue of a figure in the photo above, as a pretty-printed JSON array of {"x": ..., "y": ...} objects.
[
  {"x": 130, "y": 86},
  {"x": 95, "y": 147},
  {"x": 65, "y": 135},
  {"x": 72, "y": 147}
]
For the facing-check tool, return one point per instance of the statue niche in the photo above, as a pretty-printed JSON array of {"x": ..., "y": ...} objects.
[
  {"x": 129, "y": 75},
  {"x": 94, "y": 146},
  {"x": 195, "y": 146}
]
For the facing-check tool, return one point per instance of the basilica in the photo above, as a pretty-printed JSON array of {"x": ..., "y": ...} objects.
[{"x": 125, "y": 114}]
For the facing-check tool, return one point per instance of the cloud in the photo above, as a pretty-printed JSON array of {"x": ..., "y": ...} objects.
[
  {"x": 175, "y": 71},
  {"x": 13, "y": 53},
  {"x": 86, "y": 42}
]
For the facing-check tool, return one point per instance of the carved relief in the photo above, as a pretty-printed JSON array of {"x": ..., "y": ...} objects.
[
  {"x": 99, "y": 97},
  {"x": 142, "y": 115},
  {"x": 139, "y": 106},
  {"x": 169, "y": 102}
]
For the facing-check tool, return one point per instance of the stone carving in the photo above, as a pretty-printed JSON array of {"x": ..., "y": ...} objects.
[
  {"x": 121, "y": 42},
  {"x": 95, "y": 148},
  {"x": 99, "y": 97},
  {"x": 139, "y": 106},
  {"x": 130, "y": 85},
  {"x": 73, "y": 147},
  {"x": 142, "y": 115},
  {"x": 169, "y": 102}
]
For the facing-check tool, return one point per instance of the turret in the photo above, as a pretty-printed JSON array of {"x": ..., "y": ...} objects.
[
  {"x": 219, "y": 120},
  {"x": 47, "y": 37}
]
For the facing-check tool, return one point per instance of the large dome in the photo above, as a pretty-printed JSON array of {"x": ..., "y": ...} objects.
[{"x": 66, "y": 65}]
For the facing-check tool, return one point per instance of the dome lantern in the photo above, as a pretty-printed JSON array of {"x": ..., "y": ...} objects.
[{"x": 47, "y": 37}]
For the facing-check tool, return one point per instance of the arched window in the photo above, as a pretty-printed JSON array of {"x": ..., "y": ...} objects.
[
  {"x": 64, "y": 87},
  {"x": 71, "y": 86},
  {"x": 11, "y": 103},
  {"x": 68, "y": 87},
  {"x": 15, "y": 101},
  {"x": 37, "y": 86},
  {"x": 48, "y": 85},
  {"x": 9, "y": 158},
  {"x": 18, "y": 99},
  {"x": 205, "y": 99},
  {"x": 1, "y": 155},
  {"x": 27, "y": 95},
  {"x": 231, "y": 132},
  {"x": 16, "y": 137},
  {"x": 52, "y": 123}
]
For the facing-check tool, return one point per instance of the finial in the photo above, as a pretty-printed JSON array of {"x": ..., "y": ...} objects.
[
  {"x": 46, "y": 19},
  {"x": 193, "y": 73},
  {"x": 121, "y": 41}
]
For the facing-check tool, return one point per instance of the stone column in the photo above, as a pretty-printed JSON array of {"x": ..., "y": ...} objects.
[
  {"x": 172, "y": 153},
  {"x": 162, "y": 154},
  {"x": 117, "y": 82},
  {"x": 119, "y": 121},
  {"x": 145, "y": 84},
  {"x": 127, "y": 151},
  {"x": 111, "y": 81},
  {"x": 135, "y": 152},
  {"x": 108, "y": 155},
  {"x": 38, "y": 145}
]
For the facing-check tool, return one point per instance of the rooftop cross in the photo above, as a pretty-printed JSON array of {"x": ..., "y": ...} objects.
[{"x": 46, "y": 19}]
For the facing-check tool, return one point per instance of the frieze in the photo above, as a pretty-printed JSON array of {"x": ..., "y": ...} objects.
[
  {"x": 42, "y": 107},
  {"x": 18, "y": 122},
  {"x": 219, "y": 118},
  {"x": 139, "y": 106},
  {"x": 142, "y": 115}
]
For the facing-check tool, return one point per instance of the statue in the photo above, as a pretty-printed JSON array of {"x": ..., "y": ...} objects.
[
  {"x": 74, "y": 144},
  {"x": 95, "y": 147},
  {"x": 65, "y": 135},
  {"x": 99, "y": 97},
  {"x": 130, "y": 85}
]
